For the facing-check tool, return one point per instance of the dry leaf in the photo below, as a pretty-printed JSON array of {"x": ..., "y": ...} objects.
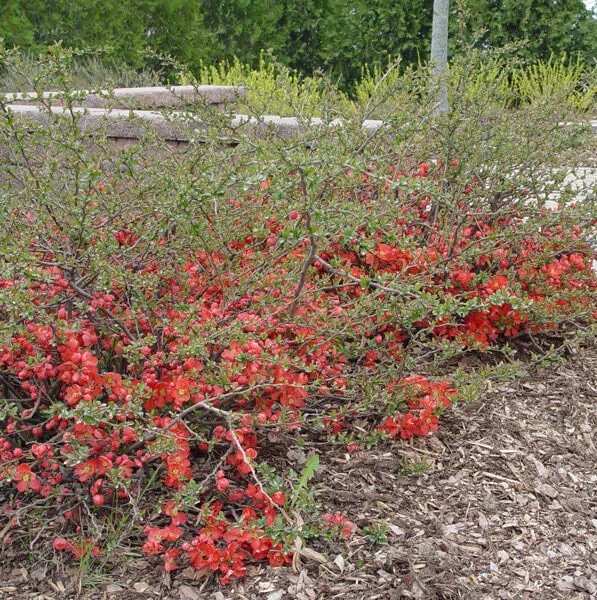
[
  {"x": 188, "y": 593},
  {"x": 541, "y": 470},
  {"x": 339, "y": 562},
  {"x": 547, "y": 490},
  {"x": 396, "y": 530},
  {"x": 309, "y": 554},
  {"x": 297, "y": 456}
]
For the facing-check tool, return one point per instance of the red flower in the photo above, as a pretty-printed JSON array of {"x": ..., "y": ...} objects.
[
  {"x": 427, "y": 422},
  {"x": 26, "y": 479},
  {"x": 390, "y": 426},
  {"x": 276, "y": 559},
  {"x": 61, "y": 544},
  {"x": 170, "y": 557},
  {"x": 126, "y": 237},
  {"x": 336, "y": 520},
  {"x": 176, "y": 515},
  {"x": 279, "y": 498},
  {"x": 180, "y": 390}
]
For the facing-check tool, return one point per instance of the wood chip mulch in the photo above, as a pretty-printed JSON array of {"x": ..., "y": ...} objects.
[{"x": 500, "y": 504}]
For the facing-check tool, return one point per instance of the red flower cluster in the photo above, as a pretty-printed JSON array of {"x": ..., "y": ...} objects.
[
  {"x": 183, "y": 375},
  {"x": 427, "y": 398},
  {"x": 340, "y": 523}
]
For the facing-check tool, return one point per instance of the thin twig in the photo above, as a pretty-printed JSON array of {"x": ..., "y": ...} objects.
[
  {"x": 312, "y": 249},
  {"x": 356, "y": 280},
  {"x": 304, "y": 270}
]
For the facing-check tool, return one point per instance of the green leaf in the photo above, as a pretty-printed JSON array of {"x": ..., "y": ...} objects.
[{"x": 307, "y": 474}]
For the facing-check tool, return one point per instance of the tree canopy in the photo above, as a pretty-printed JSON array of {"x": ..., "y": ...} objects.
[
  {"x": 546, "y": 27},
  {"x": 332, "y": 35}
]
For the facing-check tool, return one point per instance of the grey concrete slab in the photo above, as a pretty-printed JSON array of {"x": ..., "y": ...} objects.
[{"x": 138, "y": 97}]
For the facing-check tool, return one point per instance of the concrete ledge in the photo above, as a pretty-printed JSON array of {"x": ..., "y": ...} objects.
[
  {"x": 138, "y": 97},
  {"x": 293, "y": 125},
  {"x": 116, "y": 123},
  {"x": 175, "y": 126}
]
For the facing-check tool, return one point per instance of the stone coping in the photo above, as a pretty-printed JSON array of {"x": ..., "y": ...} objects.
[
  {"x": 177, "y": 126},
  {"x": 137, "y": 97}
]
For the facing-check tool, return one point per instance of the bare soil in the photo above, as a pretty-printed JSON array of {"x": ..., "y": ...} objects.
[{"x": 500, "y": 504}]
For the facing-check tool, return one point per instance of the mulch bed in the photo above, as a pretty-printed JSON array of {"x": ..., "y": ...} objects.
[{"x": 499, "y": 504}]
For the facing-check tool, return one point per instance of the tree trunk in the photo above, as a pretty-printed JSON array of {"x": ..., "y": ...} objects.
[{"x": 439, "y": 53}]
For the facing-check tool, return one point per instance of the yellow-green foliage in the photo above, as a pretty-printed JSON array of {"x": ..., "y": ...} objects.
[
  {"x": 491, "y": 80},
  {"x": 481, "y": 80},
  {"x": 558, "y": 80},
  {"x": 380, "y": 93},
  {"x": 275, "y": 89}
]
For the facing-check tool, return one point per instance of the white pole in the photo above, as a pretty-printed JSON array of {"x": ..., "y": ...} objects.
[{"x": 439, "y": 52}]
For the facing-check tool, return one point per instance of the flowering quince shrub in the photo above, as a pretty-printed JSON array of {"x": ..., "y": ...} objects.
[{"x": 160, "y": 320}]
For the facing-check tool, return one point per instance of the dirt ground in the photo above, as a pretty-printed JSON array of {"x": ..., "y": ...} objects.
[{"x": 500, "y": 504}]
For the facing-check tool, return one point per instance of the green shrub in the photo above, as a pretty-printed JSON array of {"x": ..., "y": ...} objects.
[
  {"x": 86, "y": 71},
  {"x": 274, "y": 89},
  {"x": 173, "y": 321},
  {"x": 561, "y": 81},
  {"x": 482, "y": 78}
]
